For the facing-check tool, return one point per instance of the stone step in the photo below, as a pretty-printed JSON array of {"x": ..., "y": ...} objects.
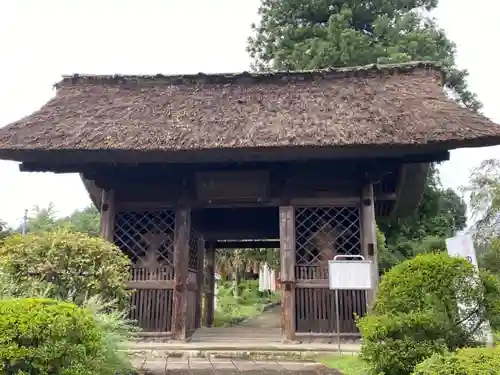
[{"x": 238, "y": 350}]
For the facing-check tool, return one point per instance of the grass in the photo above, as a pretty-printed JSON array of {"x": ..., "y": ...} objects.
[
  {"x": 251, "y": 302},
  {"x": 348, "y": 364}
]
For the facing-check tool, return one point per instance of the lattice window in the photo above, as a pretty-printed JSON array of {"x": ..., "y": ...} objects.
[
  {"x": 146, "y": 237},
  {"x": 193, "y": 250},
  {"x": 323, "y": 232}
]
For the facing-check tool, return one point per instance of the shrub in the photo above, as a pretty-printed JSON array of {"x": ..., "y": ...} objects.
[
  {"x": 72, "y": 265},
  {"x": 477, "y": 361},
  {"x": 416, "y": 312},
  {"x": 43, "y": 336},
  {"x": 393, "y": 345}
]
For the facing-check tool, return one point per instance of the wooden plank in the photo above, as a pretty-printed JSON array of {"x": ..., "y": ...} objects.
[
  {"x": 245, "y": 244},
  {"x": 108, "y": 214},
  {"x": 287, "y": 275},
  {"x": 368, "y": 235},
  {"x": 181, "y": 260},
  {"x": 312, "y": 284},
  {"x": 200, "y": 275},
  {"x": 151, "y": 284},
  {"x": 210, "y": 287},
  {"x": 287, "y": 243}
]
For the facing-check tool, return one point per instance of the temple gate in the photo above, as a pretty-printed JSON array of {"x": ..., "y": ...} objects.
[{"x": 304, "y": 161}]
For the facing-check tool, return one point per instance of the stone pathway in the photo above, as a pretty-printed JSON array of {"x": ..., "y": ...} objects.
[
  {"x": 267, "y": 320},
  {"x": 204, "y": 366}
]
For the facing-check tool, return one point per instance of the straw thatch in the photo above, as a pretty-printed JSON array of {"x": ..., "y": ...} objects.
[{"x": 361, "y": 107}]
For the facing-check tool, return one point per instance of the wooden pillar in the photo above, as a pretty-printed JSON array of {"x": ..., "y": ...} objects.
[
  {"x": 181, "y": 260},
  {"x": 369, "y": 235},
  {"x": 200, "y": 275},
  {"x": 108, "y": 212},
  {"x": 210, "y": 286},
  {"x": 287, "y": 260}
]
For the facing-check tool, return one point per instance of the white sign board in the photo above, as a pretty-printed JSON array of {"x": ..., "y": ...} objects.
[
  {"x": 350, "y": 274},
  {"x": 462, "y": 246}
]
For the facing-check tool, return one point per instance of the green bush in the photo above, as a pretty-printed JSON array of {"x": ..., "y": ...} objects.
[
  {"x": 393, "y": 345},
  {"x": 470, "y": 361},
  {"x": 71, "y": 265},
  {"x": 43, "y": 336},
  {"x": 416, "y": 311}
]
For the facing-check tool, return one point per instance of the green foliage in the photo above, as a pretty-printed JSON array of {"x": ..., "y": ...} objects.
[
  {"x": 483, "y": 191},
  {"x": 312, "y": 34},
  {"x": 250, "y": 302},
  {"x": 416, "y": 312},
  {"x": 440, "y": 214},
  {"x": 72, "y": 265},
  {"x": 43, "y": 219},
  {"x": 477, "y": 361},
  {"x": 5, "y": 231},
  {"x": 43, "y": 336},
  {"x": 394, "y": 344}
]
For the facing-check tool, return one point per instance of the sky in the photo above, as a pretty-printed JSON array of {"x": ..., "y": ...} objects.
[{"x": 42, "y": 40}]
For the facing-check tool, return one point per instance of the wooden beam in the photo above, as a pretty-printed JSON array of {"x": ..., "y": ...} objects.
[
  {"x": 210, "y": 287},
  {"x": 244, "y": 244},
  {"x": 200, "y": 276},
  {"x": 369, "y": 236},
  {"x": 181, "y": 260},
  {"x": 287, "y": 274},
  {"x": 108, "y": 213},
  {"x": 69, "y": 161}
]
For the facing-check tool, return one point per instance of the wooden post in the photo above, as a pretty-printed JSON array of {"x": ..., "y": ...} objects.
[
  {"x": 181, "y": 260},
  {"x": 369, "y": 235},
  {"x": 210, "y": 286},
  {"x": 108, "y": 212},
  {"x": 287, "y": 260},
  {"x": 199, "y": 280}
]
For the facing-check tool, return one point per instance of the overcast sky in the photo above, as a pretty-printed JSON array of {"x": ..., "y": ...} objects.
[{"x": 42, "y": 40}]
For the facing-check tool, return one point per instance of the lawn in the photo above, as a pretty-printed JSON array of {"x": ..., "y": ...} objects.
[
  {"x": 348, "y": 364},
  {"x": 251, "y": 302}
]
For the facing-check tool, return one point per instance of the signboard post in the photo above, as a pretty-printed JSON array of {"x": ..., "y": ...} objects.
[
  {"x": 347, "y": 274},
  {"x": 462, "y": 246}
]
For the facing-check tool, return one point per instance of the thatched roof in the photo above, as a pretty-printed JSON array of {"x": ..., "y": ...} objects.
[{"x": 347, "y": 108}]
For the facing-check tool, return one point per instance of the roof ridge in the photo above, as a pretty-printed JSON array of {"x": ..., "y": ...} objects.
[{"x": 249, "y": 77}]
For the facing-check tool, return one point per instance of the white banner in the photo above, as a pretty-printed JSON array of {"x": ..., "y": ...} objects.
[{"x": 462, "y": 246}]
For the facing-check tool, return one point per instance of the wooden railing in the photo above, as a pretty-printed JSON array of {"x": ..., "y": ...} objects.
[
  {"x": 315, "y": 305},
  {"x": 152, "y": 299}
]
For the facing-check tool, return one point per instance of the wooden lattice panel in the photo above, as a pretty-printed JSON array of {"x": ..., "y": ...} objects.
[
  {"x": 146, "y": 237},
  {"x": 193, "y": 250},
  {"x": 323, "y": 232}
]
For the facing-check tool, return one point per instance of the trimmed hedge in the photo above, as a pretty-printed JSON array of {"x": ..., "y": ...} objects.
[
  {"x": 416, "y": 312},
  {"x": 42, "y": 336},
  {"x": 470, "y": 361}
]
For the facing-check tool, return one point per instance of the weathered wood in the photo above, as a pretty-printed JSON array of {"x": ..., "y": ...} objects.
[
  {"x": 210, "y": 287},
  {"x": 233, "y": 186},
  {"x": 287, "y": 243},
  {"x": 108, "y": 213},
  {"x": 75, "y": 162},
  {"x": 181, "y": 260},
  {"x": 287, "y": 274},
  {"x": 200, "y": 275},
  {"x": 368, "y": 235},
  {"x": 154, "y": 284},
  {"x": 245, "y": 244}
]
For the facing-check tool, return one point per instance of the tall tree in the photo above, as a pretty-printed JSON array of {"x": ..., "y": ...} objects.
[
  {"x": 483, "y": 192},
  {"x": 314, "y": 34}
]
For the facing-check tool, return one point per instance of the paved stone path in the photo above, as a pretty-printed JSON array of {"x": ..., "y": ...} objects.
[
  {"x": 203, "y": 366},
  {"x": 267, "y": 320}
]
